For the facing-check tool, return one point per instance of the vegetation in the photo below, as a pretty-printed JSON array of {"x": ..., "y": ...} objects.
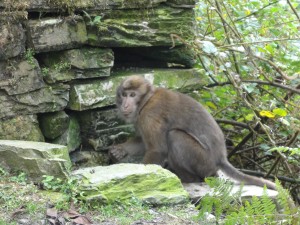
[
  {"x": 29, "y": 56},
  {"x": 256, "y": 211},
  {"x": 21, "y": 199},
  {"x": 250, "y": 52}
]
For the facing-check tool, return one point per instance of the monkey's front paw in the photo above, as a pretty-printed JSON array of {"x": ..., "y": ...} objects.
[{"x": 117, "y": 153}]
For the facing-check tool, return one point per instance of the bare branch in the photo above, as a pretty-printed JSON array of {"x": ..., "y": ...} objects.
[{"x": 273, "y": 84}]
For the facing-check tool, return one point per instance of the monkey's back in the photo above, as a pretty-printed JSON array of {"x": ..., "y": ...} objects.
[{"x": 179, "y": 111}]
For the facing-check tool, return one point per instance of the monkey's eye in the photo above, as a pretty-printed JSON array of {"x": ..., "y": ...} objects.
[
  {"x": 124, "y": 94},
  {"x": 132, "y": 94}
]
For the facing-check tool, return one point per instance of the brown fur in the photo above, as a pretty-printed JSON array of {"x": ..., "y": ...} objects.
[{"x": 176, "y": 132}]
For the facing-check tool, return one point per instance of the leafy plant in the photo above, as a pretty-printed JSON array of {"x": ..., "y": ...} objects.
[
  {"x": 67, "y": 187},
  {"x": 17, "y": 195},
  {"x": 29, "y": 56},
  {"x": 229, "y": 208},
  {"x": 253, "y": 67},
  {"x": 62, "y": 66},
  {"x": 45, "y": 71},
  {"x": 92, "y": 21},
  {"x": 21, "y": 178}
]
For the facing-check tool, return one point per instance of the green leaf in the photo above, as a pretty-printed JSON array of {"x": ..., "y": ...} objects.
[
  {"x": 97, "y": 19},
  {"x": 249, "y": 117},
  {"x": 270, "y": 49},
  {"x": 280, "y": 112}
]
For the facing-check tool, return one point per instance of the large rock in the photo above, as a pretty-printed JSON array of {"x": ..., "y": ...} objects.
[
  {"x": 24, "y": 127},
  {"x": 54, "y": 124},
  {"x": 199, "y": 190},
  {"x": 77, "y": 64},
  {"x": 81, "y": 159},
  {"x": 56, "y": 5},
  {"x": 60, "y": 128},
  {"x": 71, "y": 137},
  {"x": 143, "y": 27},
  {"x": 35, "y": 158},
  {"x": 47, "y": 99},
  {"x": 101, "y": 128},
  {"x": 20, "y": 76},
  {"x": 101, "y": 93},
  {"x": 12, "y": 38},
  {"x": 122, "y": 182},
  {"x": 56, "y": 33}
]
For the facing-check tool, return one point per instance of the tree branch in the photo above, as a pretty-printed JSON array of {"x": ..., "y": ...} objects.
[
  {"x": 234, "y": 123},
  {"x": 294, "y": 10},
  {"x": 273, "y": 84}
]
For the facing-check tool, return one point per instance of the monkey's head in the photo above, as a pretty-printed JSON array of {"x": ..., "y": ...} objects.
[{"x": 132, "y": 94}]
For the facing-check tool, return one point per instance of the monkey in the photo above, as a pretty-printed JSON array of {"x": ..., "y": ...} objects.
[{"x": 175, "y": 131}]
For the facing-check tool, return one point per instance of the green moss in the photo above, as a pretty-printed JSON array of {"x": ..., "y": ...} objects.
[
  {"x": 21, "y": 128},
  {"x": 143, "y": 27},
  {"x": 150, "y": 184}
]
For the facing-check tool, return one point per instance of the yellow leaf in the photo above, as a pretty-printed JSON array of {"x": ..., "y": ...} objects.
[
  {"x": 199, "y": 18},
  {"x": 248, "y": 12},
  {"x": 266, "y": 113}
]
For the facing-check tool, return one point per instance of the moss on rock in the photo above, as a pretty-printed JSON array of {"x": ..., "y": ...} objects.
[
  {"x": 35, "y": 158},
  {"x": 121, "y": 182}
]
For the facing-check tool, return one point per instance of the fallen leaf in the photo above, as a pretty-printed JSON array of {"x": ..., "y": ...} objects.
[
  {"x": 51, "y": 212},
  {"x": 20, "y": 210},
  {"x": 82, "y": 220}
]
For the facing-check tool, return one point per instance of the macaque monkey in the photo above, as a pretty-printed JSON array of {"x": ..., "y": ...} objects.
[{"x": 175, "y": 131}]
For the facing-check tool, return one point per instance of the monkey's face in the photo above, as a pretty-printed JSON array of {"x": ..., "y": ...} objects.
[
  {"x": 130, "y": 96},
  {"x": 128, "y": 104}
]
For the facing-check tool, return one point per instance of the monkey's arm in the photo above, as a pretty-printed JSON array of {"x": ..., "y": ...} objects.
[{"x": 154, "y": 136}]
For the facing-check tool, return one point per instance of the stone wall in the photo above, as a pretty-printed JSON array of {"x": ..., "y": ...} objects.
[{"x": 61, "y": 61}]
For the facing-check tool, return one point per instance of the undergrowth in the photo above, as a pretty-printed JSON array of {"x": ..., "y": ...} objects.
[{"x": 228, "y": 207}]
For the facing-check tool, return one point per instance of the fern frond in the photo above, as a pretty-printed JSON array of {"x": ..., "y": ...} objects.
[
  {"x": 283, "y": 198},
  {"x": 220, "y": 200},
  {"x": 261, "y": 210}
]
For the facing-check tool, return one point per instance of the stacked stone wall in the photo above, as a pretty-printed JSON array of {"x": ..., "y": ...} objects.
[{"x": 61, "y": 61}]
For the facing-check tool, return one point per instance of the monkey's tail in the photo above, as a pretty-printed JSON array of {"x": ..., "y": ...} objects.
[{"x": 233, "y": 173}]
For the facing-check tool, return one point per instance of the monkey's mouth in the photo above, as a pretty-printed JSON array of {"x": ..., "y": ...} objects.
[{"x": 127, "y": 114}]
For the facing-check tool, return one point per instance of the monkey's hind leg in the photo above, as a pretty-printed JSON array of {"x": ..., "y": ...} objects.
[{"x": 187, "y": 158}]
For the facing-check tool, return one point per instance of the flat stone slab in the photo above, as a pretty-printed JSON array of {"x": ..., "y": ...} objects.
[
  {"x": 121, "y": 182},
  {"x": 74, "y": 64},
  {"x": 35, "y": 158},
  {"x": 56, "y": 34},
  {"x": 47, "y": 99},
  {"x": 141, "y": 28},
  {"x": 198, "y": 190},
  {"x": 102, "y": 93}
]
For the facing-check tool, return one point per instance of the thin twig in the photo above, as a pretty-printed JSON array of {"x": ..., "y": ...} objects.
[
  {"x": 273, "y": 84},
  {"x": 278, "y": 70},
  {"x": 294, "y": 10},
  {"x": 234, "y": 123},
  {"x": 259, "y": 42},
  {"x": 227, "y": 35},
  {"x": 244, "y": 141}
]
